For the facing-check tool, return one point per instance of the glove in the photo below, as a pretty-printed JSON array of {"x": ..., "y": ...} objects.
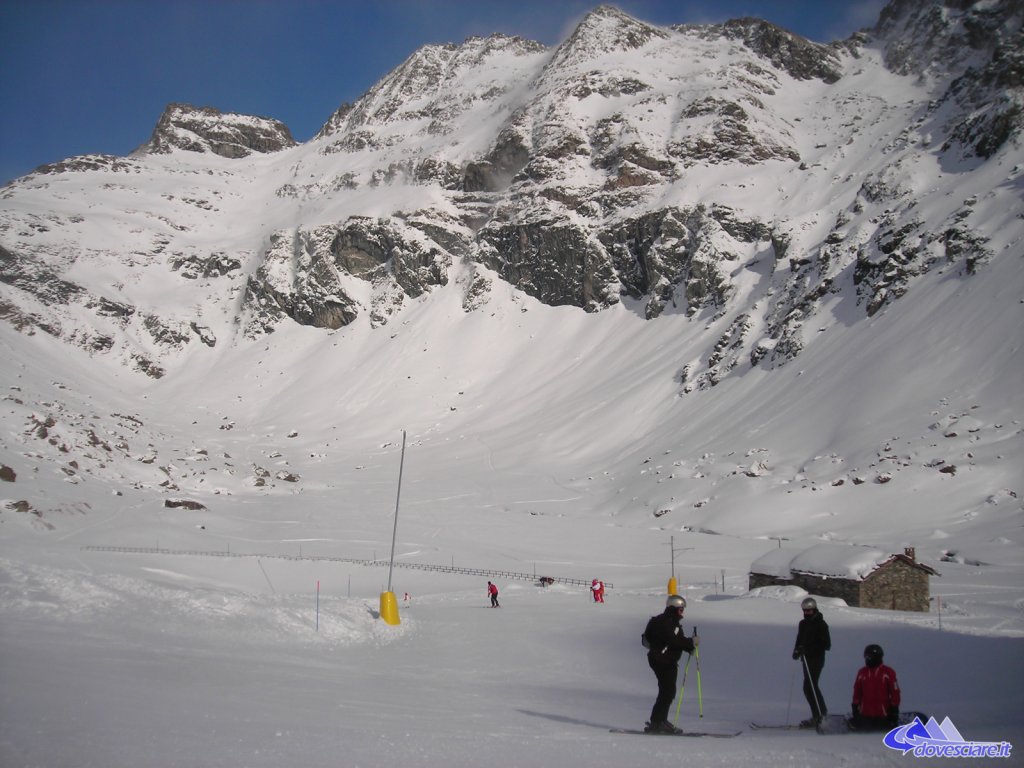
[
  {"x": 696, "y": 640},
  {"x": 894, "y": 715},
  {"x": 797, "y": 653},
  {"x": 856, "y": 711}
]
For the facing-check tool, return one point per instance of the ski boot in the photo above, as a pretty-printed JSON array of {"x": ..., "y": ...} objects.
[{"x": 661, "y": 727}]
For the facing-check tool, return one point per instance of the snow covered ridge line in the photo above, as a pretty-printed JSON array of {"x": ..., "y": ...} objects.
[{"x": 416, "y": 566}]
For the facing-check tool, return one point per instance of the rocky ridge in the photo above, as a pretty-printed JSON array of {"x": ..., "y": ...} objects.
[{"x": 206, "y": 129}]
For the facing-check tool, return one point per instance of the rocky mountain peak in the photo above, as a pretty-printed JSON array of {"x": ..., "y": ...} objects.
[
  {"x": 422, "y": 85},
  {"x": 801, "y": 58},
  {"x": 972, "y": 55},
  {"x": 931, "y": 39},
  {"x": 603, "y": 31},
  {"x": 206, "y": 129}
]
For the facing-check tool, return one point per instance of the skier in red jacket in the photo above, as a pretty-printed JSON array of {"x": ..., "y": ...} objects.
[
  {"x": 876, "y": 694},
  {"x": 492, "y": 591}
]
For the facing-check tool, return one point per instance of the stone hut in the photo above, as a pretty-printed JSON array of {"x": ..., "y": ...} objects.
[{"x": 864, "y": 577}]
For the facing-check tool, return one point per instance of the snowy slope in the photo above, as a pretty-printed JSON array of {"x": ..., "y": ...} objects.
[
  {"x": 542, "y": 440},
  {"x": 187, "y": 660}
]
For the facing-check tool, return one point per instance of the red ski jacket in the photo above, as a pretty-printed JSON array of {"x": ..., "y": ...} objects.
[{"x": 876, "y": 691}]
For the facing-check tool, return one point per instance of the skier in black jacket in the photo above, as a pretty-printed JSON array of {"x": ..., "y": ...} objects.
[
  {"x": 812, "y": 640},
  {"x": 666, "y": 641}
]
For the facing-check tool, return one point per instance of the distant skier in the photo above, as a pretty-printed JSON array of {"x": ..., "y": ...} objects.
[
  {"x": 667, "y": 642},
  {"x": 597, "y": 587},
  {"x": 492, "y": 590},
  {"x": 812, "y": 640},
  {"x": 876, "y": 694}
]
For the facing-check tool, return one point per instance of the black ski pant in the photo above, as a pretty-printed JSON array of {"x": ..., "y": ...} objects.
[
  {"x": 666, "y": 672},
  {"x": 812, "y": 671},
  {"x": 860, "y": 723}
]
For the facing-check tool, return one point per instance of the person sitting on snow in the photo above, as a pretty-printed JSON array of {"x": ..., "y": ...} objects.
[{"x": 876, "y": 694}]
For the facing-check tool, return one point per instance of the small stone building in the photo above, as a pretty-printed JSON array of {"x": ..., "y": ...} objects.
[{"x": 864, "y": 577}]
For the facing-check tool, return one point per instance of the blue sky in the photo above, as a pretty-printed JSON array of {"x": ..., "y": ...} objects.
[{"x": 84, "y": 76}]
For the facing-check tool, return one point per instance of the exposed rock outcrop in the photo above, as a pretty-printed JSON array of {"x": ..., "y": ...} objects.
[{"x": 228, "y": 134}]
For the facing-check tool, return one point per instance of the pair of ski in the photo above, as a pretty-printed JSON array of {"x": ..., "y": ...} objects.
[
  {"x": 832, "y": 724},
  {"x": 691, "y": 734},
  {"x": 828, "y": 724}
]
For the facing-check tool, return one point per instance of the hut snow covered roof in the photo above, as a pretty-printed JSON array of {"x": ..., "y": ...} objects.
[{"x": 837, "y": 561}]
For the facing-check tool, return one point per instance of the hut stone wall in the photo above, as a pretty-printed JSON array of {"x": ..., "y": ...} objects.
[
  {"x": 846, "y": 589},
  {"x": 898, "y": 586},
  {"x": 755, "y": 580}
]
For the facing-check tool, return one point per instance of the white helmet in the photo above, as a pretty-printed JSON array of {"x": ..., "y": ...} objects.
[{"x": 675, "y": 601}]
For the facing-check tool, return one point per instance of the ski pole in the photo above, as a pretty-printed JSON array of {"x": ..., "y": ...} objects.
[
  {"x": 679, "y": 701},
  {"x": 789, "y": 704},
  {"x": 700, "y": 696},
  {"x": 814, "y": 688}
]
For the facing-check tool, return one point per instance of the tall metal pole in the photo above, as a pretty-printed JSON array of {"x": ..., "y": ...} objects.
[
  {"x": 673, "y": 585},
  {"x": 394, "y": 532}
]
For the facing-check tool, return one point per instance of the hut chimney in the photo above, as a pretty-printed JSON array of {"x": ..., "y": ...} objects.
[{"x": 910, "y": 553}]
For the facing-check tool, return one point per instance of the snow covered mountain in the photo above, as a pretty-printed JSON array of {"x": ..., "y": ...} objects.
[
  {"x": 759, "y": 203},
  {"x": 630, "y": 162},
  {"x": 711, "y": 287}
]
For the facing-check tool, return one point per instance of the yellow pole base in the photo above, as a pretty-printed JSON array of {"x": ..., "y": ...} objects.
[
  {"x": 389, "y": 608},
  {"x": 673, "y": 586}
]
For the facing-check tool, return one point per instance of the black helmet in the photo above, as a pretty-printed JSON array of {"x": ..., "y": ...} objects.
[
  {"x": 675, "y": 601},
  {"x": 873, "y": 655},
  {"x": 809, "y": 604}
]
